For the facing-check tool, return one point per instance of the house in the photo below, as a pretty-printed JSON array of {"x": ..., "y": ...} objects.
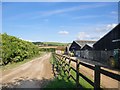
[{"x": 76, "y": 46}]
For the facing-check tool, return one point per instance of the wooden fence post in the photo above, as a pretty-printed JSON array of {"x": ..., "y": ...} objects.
[
  {"x": 77, "y": 73},
  {"x": 69, "y": 68},
  {"x": 97, "y": 77},
  {"x": 64, "y": 65}
]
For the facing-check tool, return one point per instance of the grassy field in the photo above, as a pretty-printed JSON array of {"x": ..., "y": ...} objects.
[
  {"x": 62, "y": 82},
  {"x": 55, "y": 43},
  {"x": 51, "y": 43},
  {"x": 14, "y": 65}
]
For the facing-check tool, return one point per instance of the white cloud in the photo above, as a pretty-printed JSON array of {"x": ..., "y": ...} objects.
[
  {"x": 26, "y": 40},
  {"x": 41, "y": 14},
  {"x": 63, "y": 32},
  {"x": 96, "y": 33},
  {"x": 104, "y": 29},
  {"x": 87, "y": 16},
  {"x": 114, "y": 12},
  {"x": 75, "y": 8},
  {"x": 82, "y": 36},
  {"x": 110, "y": 26}
]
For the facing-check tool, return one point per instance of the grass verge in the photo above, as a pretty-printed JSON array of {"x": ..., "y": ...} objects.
[{"x": 62, "y": 79}]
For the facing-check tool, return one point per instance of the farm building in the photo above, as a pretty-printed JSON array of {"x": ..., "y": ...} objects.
[
  {"x": 60, "y": 49},
  {"x": 106, "y": 50},
  {"x": 85, "y": 52},
  {"x": 106, "y": 47},
  {"x": 76, "y": 46},
  {"x": 110, "y": 41},
  {"x": 87, "y": 47}
]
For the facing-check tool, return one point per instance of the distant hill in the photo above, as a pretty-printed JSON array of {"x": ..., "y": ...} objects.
[{"x": 50, "y": 43}]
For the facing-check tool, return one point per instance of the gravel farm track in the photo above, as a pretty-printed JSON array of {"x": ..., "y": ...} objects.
[{"x": 33, "y": 74}]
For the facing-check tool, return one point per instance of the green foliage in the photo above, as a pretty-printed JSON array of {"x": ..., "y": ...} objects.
[
  {"x": 59, "y": 81},
  {"x": 15, "y": 49},
  {"x": 55, "y": 44},
  {"x": 47, "y": 49},
  {"x": 62, "y": 80},
  {"x": 50, "y": 43},
  {"x": 38, "y": 43}
]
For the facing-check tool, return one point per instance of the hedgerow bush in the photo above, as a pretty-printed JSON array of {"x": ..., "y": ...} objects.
[{"x": 16, "y": 50}]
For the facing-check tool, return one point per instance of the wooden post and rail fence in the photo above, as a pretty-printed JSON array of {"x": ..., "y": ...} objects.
[{"x": 97, "y": 71}]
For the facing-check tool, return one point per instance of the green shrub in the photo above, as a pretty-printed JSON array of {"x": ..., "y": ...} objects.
[{"x": 15, "y": 49}]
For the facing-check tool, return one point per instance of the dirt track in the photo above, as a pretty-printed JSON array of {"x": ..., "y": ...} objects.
[{"x": 33, "y": 74}]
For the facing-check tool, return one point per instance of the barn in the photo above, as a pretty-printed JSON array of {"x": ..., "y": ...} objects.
[
  {"x": 110, "y": 41},
  {"x": 87, "y": 47},
  {"x": 104, "y": 48},
  {"x": 86, "y": 51},
  {"x": 76, "y": 46}
]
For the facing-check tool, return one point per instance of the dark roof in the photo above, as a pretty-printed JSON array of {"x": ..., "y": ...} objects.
[{"x": 87, "y": 47}]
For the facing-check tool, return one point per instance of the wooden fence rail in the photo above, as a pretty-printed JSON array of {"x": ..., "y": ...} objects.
[{"x": 97, "y": 71}]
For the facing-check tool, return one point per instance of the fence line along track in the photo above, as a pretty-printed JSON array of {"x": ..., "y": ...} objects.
[{"x": 97, "y": 71}]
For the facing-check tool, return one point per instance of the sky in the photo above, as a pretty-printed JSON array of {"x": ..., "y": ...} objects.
[{"x": 59, "y": 21}]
